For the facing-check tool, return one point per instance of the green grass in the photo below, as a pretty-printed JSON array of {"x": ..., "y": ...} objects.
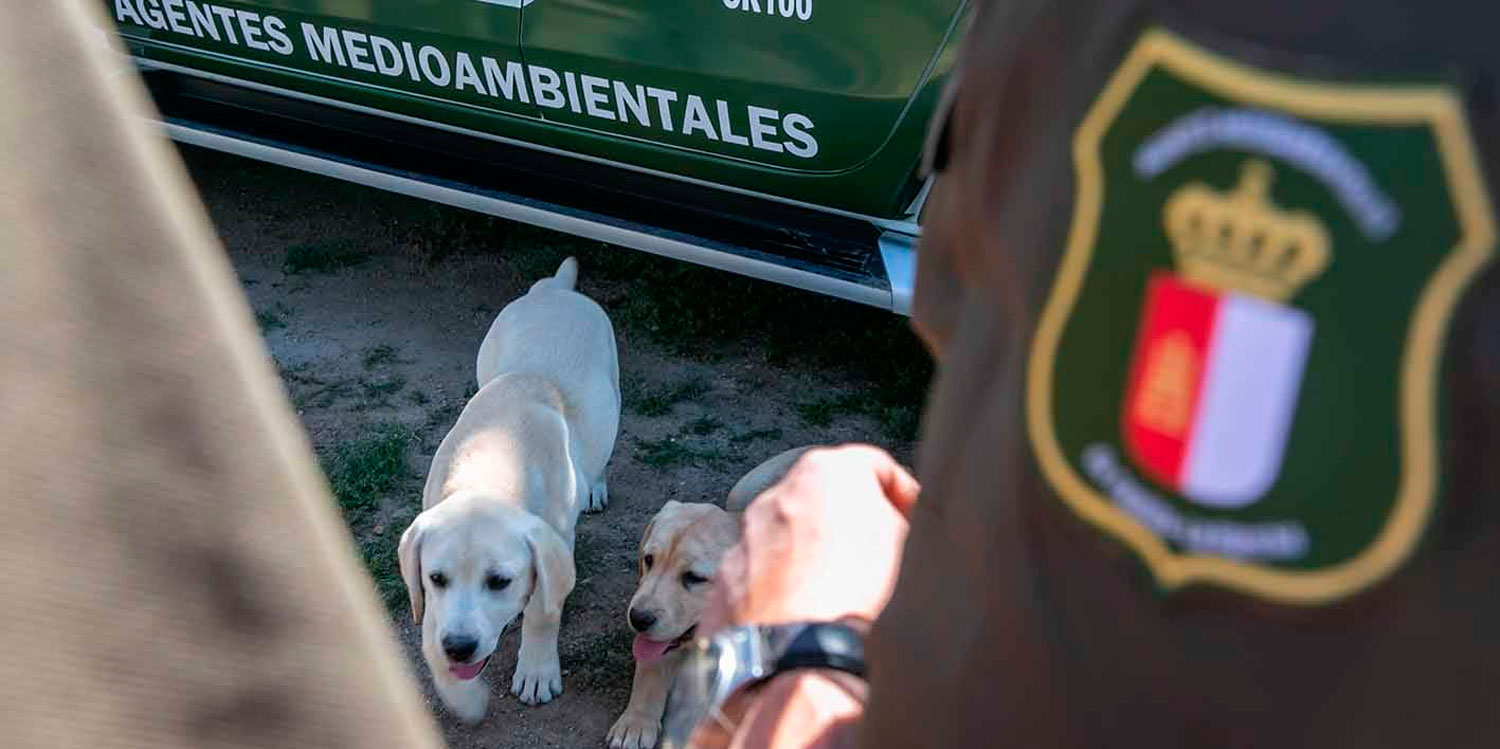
[
  {"x": 323, "y": 396},
  {"x": 673, "y": 451},
  {"x": 660, "y": 401},
  {"x": 380, "y": 391},
  {"x": 704, "y": 425},
  {"x": 821, "y": 412},
  {"x": 682, "y": 309},
  {"x": 360, "y": 471},
  {"x": 309, "y": 390},
  {"x": 379, "y": 553},
  {"x": 756, "y": 435},
  {"x": 703, "y": 314},
  {"x": 272, "y": 318},
  {"x": 897, "y": 419},
  {"x": 323, "y": 257},
  {"x": 443, "y": 417},
  {"x": 593, "y": 558},
  {"x": 380, "y": 355},
  {"x": 900, "y": 420},
  {"x": 438, "y": 231},
  {"x": 534, "y": 253}
]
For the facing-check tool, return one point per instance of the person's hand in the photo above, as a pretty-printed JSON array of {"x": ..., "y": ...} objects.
[{"x": 822, "y": 544}]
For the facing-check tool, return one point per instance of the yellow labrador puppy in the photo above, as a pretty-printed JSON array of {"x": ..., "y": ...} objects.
[
  {"x": 527, "y": 454},
  {"x": 680, "y": 552}
]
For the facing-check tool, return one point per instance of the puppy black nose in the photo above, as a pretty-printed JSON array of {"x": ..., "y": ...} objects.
[
  {"x": 641, "y": 621},
  {"x": 460, "y": 649}
]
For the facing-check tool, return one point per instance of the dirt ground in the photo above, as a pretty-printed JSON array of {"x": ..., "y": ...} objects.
[{"x": 373, "y": 306}]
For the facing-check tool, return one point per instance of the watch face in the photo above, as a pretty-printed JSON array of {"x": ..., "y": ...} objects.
[{"x": 714, "y": 668}]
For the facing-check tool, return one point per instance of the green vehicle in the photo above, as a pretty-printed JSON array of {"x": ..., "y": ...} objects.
[{"x": 774, "y": 138}]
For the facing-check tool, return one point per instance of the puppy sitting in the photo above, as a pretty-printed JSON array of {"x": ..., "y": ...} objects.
[
  {"x": 503, "y": 495},
  {"x": 680, "y": 553}
]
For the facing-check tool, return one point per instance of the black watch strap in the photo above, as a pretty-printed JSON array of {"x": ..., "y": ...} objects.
[{"x": 830, "y": 645}]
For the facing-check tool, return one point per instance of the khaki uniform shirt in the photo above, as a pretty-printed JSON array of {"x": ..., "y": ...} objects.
[{"x": 1024, "y": 615}]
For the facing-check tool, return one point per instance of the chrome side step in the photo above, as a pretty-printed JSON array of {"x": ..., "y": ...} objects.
[{"x": 896, "y": 249}]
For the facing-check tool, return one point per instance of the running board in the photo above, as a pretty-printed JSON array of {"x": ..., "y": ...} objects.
[{"x": 856, "y": 262}]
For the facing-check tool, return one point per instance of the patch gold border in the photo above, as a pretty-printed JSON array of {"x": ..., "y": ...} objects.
[{"x": 1434, "y": 105}]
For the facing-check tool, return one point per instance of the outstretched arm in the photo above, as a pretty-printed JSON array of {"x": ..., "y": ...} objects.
[{"x": 824, "y": 544}]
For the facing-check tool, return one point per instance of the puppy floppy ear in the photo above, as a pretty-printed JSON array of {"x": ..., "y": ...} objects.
[
  {"x": 409, "y": 554},
  {"x": 552, "y": 562},
  {"x": 671, "y": 506}
]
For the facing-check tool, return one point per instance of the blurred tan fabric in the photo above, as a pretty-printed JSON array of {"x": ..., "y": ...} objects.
[{"x": 175, "y": 574}]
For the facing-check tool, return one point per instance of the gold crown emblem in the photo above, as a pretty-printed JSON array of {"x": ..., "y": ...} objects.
[{"x": 1240, "y": 240}]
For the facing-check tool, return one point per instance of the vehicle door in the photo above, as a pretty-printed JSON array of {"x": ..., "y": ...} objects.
[
  {"x": 708, "y": 87},
  {"x": 451, "y": 61}
]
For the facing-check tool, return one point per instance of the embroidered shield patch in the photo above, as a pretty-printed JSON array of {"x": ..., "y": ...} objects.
[{"x": 1236, "y": 373}]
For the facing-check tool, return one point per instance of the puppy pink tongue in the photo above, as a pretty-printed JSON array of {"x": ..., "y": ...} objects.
[
  {"x": 647, "y": 650},
  {"x": 467, "y": 671}
]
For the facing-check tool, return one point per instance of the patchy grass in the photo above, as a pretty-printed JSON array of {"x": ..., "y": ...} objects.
[
  {"x": 362, "y": 470},
  {"x": 661, "y": 401},
  {"x": 379, "y": 553},
  {"x": 323, "y": 396},
  {"x": 438, "y": 231},
  {"x": 703, "y": 315},
  {"x": 272, "y": 318},
  {"x": 902, "y": 420},
  {"x": 533, "y": 253},
  {"x": 323, "y": 257},
  {"x": 380, "y": 355},
  {"x": 443, "y": 417},
  {"x": 704, "y": 425},
  {"x": 673, "y": 451},
  {"x": 380, "y": 391},
  {"x": 756, "y": 435},
  {"x": 590, "y": 559},
  {"x": 898, "y": 420},
  {"x": 764, "y": 349},
  {"x": 821, "y": 412},
  {"x": 311, "y": 391}
]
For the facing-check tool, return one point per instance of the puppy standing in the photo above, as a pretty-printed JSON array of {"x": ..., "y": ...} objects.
[
  {"x": 680, "y": 552},
  {"x": 503, "y": 495}
]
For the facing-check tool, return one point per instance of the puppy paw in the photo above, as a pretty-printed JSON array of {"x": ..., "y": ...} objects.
[
  {"x": 634, "y": 731},
  {"x": 538, "y": 678},
  {"x": 598, "y": 497}
]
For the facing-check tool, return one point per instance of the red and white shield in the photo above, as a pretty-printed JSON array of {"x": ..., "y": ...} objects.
[{"x": 1213, "y": 385}]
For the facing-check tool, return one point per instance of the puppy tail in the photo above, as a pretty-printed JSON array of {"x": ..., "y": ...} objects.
[
  {"x": 566, "y": 277},
  {"x": 567, "y": 274},
  {"x": 761, "y": 478}
]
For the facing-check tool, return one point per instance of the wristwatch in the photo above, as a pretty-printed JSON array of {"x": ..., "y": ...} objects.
[{"x": 716, "y": 667}]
